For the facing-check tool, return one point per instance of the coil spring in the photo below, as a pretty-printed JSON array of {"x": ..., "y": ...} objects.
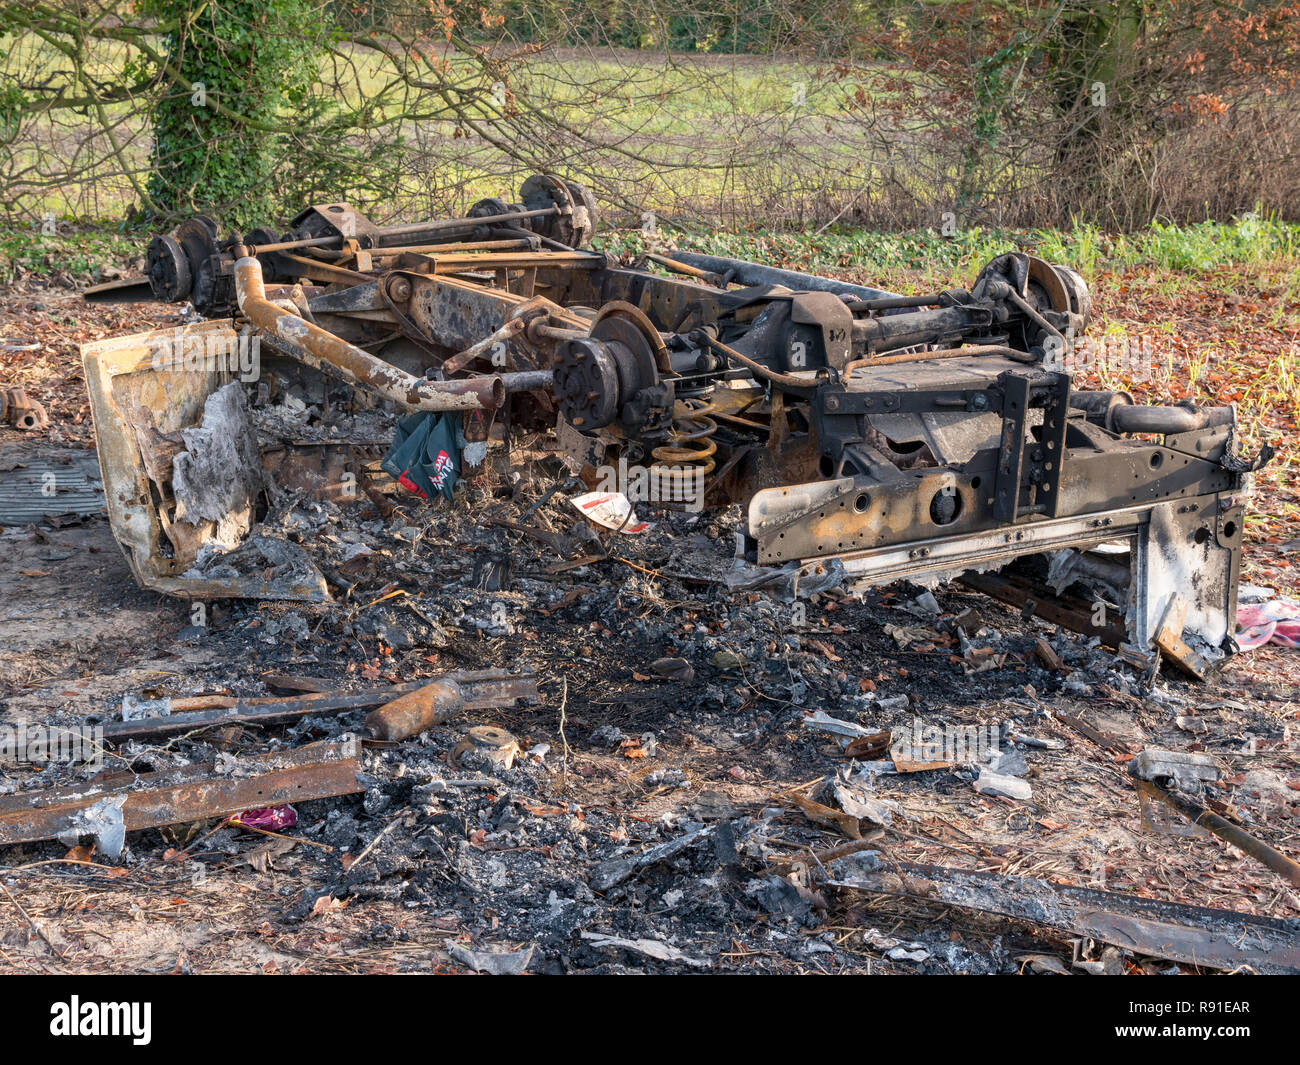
[{"x": 682, "y": 464}]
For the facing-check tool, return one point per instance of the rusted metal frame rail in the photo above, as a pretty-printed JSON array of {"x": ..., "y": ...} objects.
[
  {"x": 127, "y": 802},
  {"x": 1033, "y": 600},
  {"x": 1084, "y": 478}
]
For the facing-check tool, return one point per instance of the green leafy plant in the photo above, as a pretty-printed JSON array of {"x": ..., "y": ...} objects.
[{"x": 234, "y": 72}]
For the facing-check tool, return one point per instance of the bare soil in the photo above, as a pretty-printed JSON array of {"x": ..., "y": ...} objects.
[{"x": 621, "y": 760}]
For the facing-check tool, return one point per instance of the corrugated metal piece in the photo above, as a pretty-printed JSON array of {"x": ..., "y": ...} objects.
[{"x": 39, "y": 487}]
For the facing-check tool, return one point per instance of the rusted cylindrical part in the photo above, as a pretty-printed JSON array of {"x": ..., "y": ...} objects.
[
  {"x": 682, "y": 268},
  {"x": 1099, "y": 407},
  {"x": 526, "y": 380},
  {"x": 1226, "y": 830},
  {"x": 891, "y": 332},
  {"x": 540, "y": 329},
  {"x": 410, "y": 714},
  {"x": 315, "y": 346}
]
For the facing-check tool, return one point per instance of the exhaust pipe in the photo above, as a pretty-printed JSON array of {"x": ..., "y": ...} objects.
[
  {"x": 321, "y": 349},
  {"x": 1166, "y": 420}
]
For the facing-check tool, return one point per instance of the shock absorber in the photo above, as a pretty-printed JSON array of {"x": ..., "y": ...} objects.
[{"x": 682, "y": 464}]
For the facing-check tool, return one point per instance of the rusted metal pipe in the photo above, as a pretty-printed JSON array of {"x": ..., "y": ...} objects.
[
  {"x": 461, "y": 359},
  {"x": 682, "y": 268},
  {"x": 541, "y": 329},
  {"x": 784, "y": 381},
  {"x": 1226, "y": 830},
  {"x": 527, "y": 380},
  {"x": 412, "y": 713},
  {"x": 893, "y": 303},
  {"x": 319, "y": 348}
]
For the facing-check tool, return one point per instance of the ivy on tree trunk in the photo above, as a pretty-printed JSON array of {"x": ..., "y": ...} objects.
[{"x": 237, "y": 71}]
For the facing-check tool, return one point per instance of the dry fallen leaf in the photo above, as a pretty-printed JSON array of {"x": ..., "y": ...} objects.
[{"x": 328, "y": 904}]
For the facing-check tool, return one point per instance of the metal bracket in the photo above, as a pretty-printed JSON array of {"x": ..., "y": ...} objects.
[{"x": 1028, "y": 464}]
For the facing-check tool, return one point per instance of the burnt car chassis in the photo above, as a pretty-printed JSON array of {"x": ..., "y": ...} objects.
[{"x": 918, "y": 438}]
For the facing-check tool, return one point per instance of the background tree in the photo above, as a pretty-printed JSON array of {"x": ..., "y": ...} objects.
[{"x": 896, "y": 113}]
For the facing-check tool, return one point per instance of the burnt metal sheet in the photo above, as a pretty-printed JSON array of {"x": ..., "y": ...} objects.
[
  {"x": 135, "y": 385},
  {"x": 1194, "y": 935}
]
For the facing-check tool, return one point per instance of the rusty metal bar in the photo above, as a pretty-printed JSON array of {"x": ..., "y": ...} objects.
[
  {"x": 554, "y": 332},
  {"x": 319, "y": 348},
  {"x": 462, "y": 223},
  {"x": 328, "y": 271},
  {"x": 743, "y": 272},
  {"x": 461, "y": 261},
  {"x": 465, "y": 246},
  {"x": 415, "y": 227},
  {"x": 1226, "y": 830},
  {"x": 481, "y": 690},
  {"x": 1040, "y": 601},
  {"x": 504, "y": 244},
  {"x": 680, "y": 267},
  {"x": 127, "y": 802}
]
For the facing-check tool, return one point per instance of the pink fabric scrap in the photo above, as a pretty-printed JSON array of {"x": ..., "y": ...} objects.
[
  {"x": 268, "y": 818},
  {"x": 1277, "y": 621}
]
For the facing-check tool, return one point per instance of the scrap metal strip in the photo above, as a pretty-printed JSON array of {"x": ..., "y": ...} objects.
[
  {"x": 1195, "y": 935},
  {"x": 191, "y": 793}
]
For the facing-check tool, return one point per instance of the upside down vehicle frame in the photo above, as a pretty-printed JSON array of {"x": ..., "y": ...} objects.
[{"x": 921, "y": 438}]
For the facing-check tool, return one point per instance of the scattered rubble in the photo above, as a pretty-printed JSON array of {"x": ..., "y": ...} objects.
[{"x": 453, "y": 704}]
